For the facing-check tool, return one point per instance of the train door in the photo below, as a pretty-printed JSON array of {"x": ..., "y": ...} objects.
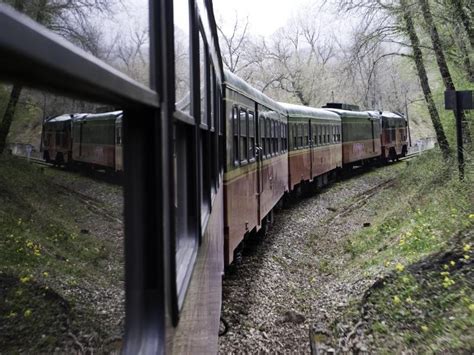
[
  {"x": 373, "y": 134},
  {"x": 260, "y": 150}
]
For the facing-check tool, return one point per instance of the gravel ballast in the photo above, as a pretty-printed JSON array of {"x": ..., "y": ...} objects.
[{"x": 284, "y": 287}]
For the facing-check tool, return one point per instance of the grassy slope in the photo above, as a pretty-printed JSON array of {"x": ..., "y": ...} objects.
[
  {"x": 45, "y": 260},
  {"x": 422, "y": 240}
]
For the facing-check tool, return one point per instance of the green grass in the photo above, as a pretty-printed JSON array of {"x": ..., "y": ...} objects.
[
  {"x": 418, "y": 216},
  {"x": 420, "y": 241}
]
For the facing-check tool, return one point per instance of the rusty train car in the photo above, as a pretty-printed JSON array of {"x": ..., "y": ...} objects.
[
  {"x": 256, "y": 175},
  {"x": 199, "y": 176},
  {"x": 93, "y": 140},
  {"x": 394, "y": 136},
  {"x": 315, "y": 145}
]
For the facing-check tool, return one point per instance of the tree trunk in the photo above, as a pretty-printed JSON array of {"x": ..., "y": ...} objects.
[
  {"x": 420, "y": 67},
  {"x": 441, "y": 59},
  {"x": 16, "y": 90},
  {"x": 464, "y": 19},
  {"x": 8, "y": 116}
]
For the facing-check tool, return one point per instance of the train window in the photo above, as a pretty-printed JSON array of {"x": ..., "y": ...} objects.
[
  {"x": 300, "y": 135},
  {"x": 243, "y": 135},
  {"x": 274, "y": 138},
  {"x": 279, "y": 137},
  {"x": 306, "y": 142},
  {"x": 184, "y": 204},
  {"x": 203, "y": 79},
  {"x": 251, "y": 135},
  {"x": 315, "y": 135},
  {"x": 235, "y": 129},
  {"x": 182, "y": 46},
  {"x": 294, "y": 135},
  {"x": 268, "y": 134},
  {"x": 212, "y": 89},
  {"x": 262, "y": 135}
]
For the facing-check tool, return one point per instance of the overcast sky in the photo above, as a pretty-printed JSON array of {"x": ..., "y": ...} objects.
[{"x": 265, "y": 16}]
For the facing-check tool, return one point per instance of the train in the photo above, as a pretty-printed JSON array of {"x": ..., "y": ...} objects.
[
  {"x": 199, "y": 176},
  {"x": 91, "y": 140}
]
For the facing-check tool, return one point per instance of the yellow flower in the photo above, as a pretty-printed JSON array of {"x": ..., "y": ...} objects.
[
  {"x": 409, "y": 300},
  {"x": 396, "y": 299},
  {"x": 45, "y": 274},
  {"x": 453, "y": 263},
  {"x": 27, "y": 313},
  {"x": 424, "y": 328},
  {"x": 444, "y": 273},
  {"x": 399, "y": 267},
  {"x": 466, "y": 257},
  {"x": 448, "y": 282},
  {"x": 445, "y": 266},
  {"x": 471, "y": 216},
  {"x": 471, "y": 307},
  {"x": 24, "y": 279},
  {"x": 467, "y": 247}
]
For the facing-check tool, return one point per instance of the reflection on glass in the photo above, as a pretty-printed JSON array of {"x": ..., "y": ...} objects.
[{"x": 182, "y": 55}]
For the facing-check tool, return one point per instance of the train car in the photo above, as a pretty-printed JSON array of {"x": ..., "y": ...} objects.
[
  {"x": 360, "y": 136},
  {"x": 315, "y": 147},
  {"x": 96, "y": 140},
  {"x": 394, "y": 137},
  {"x": 57, "y": 138},
  {"x": 256, "y": 175}
]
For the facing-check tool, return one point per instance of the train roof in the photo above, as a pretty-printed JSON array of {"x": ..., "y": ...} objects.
[
  {"x": 301, "y": 111},
  {"x": 100, "y": 116},
  {"x": 239, "y": 85},
  {"x": 352, "y": 114},
  {"x": 65, "y": 117},
  {"x": 387, "y": 114}
]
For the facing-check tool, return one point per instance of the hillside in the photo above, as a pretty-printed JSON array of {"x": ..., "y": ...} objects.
[{"x": 61, "y": 268}]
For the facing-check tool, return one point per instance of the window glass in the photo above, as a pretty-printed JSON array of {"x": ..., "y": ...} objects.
[
  {"x": 235, "y": 130},
  {"x": 268, "y": 134},
  {"x": 203, "y": 76},
  {"x": 300, "y": 135},
  {"x": 305, "y": 127},
  {"x": 243, "y": 135},
  {"x": 262, "y": 134},
  {"x": 212, "y": 97},
  {"x": 295, "y": 135},
  {"x": 251, "y": 135},
  {"x": 182, "y": 46}
]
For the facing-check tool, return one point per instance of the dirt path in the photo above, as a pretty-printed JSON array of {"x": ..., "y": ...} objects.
[{"x": 285, "y": 286}]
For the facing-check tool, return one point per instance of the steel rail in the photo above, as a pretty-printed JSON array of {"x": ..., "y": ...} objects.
[{"x": 34, "y": 56}]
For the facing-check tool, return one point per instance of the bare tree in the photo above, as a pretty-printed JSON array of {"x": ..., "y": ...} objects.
[
  {"x": 57, "y": 15},
  {"x": 235, "y": 46}
]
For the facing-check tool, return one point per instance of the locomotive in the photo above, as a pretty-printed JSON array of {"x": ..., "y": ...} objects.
[{"x": 198, "y": 176}]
